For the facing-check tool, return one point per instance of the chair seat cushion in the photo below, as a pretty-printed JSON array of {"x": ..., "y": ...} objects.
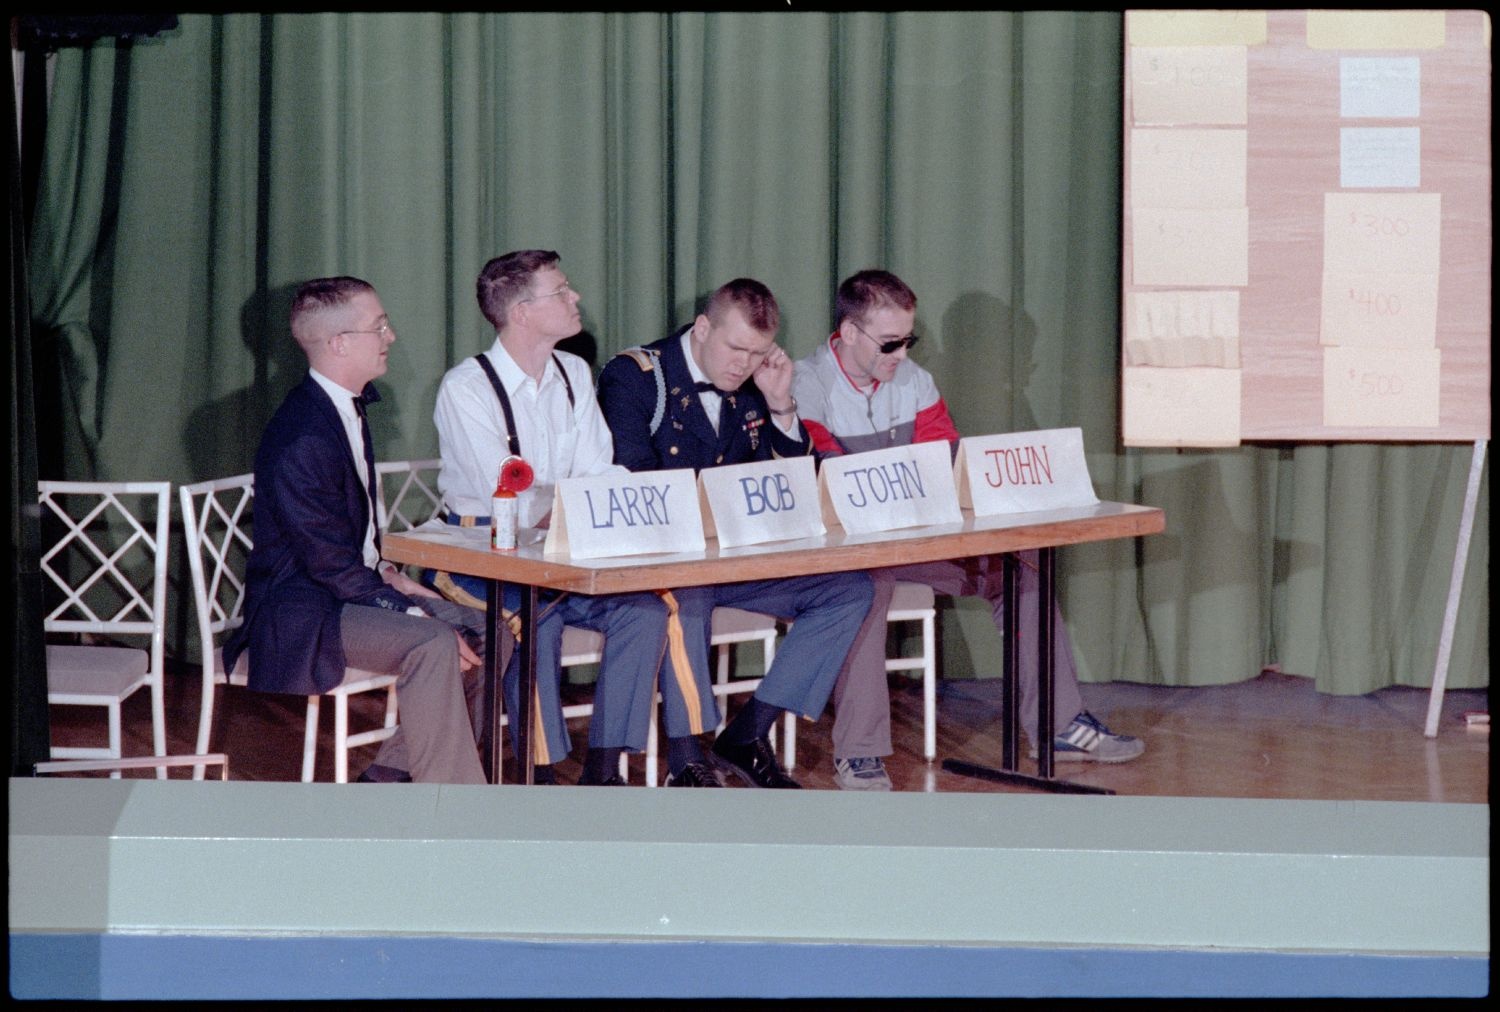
[
  {"x": 736, "y": 621},
  {"x": 911, "y": 597},
  {"x": 105, "y": 672}
]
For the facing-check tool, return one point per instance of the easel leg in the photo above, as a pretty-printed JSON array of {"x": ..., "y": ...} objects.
[{"x": 1455, "y": 585}]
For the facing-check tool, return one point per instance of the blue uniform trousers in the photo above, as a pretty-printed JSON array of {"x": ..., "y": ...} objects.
[
  {"x": 825, "y": 611},
  {"x": 635, "y": 633}
]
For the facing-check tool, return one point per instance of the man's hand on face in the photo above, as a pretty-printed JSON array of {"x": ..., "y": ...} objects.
[{"x": 774, "y": 378}]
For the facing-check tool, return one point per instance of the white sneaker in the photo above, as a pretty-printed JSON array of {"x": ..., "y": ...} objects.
[{"x": 861, "y": 774}]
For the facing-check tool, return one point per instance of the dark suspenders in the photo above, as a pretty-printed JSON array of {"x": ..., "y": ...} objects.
[{"x": 510, "y": 418}]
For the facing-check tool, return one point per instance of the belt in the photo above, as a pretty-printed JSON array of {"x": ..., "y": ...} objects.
[{"x": 459, "y": 520}]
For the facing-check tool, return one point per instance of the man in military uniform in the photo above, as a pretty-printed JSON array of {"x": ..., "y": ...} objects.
[{"x": 718, "y": 391}]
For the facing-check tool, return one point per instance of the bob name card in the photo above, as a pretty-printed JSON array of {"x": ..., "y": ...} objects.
[
  {"x": 768, "y": 500},
  {"x": 1020, "y": 472},
  {"x": 625, "y": 513},
  {"x": 886, "y": 490}
]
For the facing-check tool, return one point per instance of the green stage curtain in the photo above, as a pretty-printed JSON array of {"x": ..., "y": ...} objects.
[{"x": 191, "y": 181}]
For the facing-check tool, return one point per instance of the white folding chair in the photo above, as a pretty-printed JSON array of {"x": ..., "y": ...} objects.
[
  {"x": 728, "y": 626},
  {"x": 109, "y": 562},
  {"x": 913, "y": 602},
  {"x": 216, "y": 523},
  {"x": 408, "y": 493}
]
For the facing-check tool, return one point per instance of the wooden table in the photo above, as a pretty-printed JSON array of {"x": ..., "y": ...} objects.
[{"x": 465, "y": 550}]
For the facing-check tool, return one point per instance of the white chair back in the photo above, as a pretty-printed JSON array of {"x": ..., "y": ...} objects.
[
  {"x": 216, "y": 520},
  {"x": 408, "y": 493},
  {"x": 107, "y": 569},
  {"x": 216, "y": 528}
]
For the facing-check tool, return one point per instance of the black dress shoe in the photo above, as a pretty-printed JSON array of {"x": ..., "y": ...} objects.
[
  {"x": 754, "y": 763},
  {"x": 696, "y": 774},
  {"x": 378, "y": 774},
  {"x": 613, "y": 780}
]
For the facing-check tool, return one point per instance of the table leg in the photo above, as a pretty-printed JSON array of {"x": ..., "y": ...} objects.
[
  {"x": 489, "y": 700},
  {"x": 1010, "y": 729},
  {"x": 1010, "y": 710},
  {"x": 1046, "y": 675},
  {"x": 526, "y": 685}
]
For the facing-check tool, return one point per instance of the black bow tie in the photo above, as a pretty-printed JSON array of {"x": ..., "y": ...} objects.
[
  {"x": 365, "y": 398},
  {"x": 705, "y": 387}
]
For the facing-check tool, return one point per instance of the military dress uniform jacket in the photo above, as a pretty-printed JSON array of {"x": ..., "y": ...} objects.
[{"x": 658, "y": 422}]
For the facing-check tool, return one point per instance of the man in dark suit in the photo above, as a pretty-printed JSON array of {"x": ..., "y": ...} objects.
[
  {"x": 717, "y": 392},
  {"x": 318, "y": 597}
]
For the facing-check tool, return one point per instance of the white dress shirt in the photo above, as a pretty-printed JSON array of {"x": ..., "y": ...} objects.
[
  {"x": 343, "y": 402},
  {"x": 711, "y": 400},
  {"x": 557, "y": 440}
]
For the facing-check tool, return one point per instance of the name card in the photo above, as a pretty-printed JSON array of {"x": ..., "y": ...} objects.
[
  {"x": 1019, "y": 472},
  {"x": 886, "y": 490},
  {"x": 769, "y": 500},
  {"x": 625, "y": 513}
]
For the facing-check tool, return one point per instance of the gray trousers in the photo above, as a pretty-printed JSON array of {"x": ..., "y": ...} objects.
[
  {"x": 439, "y": 705},
  {"x": 861, "y": 697}
]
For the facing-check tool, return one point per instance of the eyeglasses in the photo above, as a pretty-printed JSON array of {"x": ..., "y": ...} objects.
[
  {"x": 380, "y": 331},
  {"x": 537, "y": 298},
  {"x": 892, "y": 346}
]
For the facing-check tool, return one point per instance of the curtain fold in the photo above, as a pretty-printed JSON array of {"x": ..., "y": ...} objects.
[{"x": 190, "y": 182}]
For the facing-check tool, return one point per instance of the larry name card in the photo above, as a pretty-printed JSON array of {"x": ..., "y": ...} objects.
[
  {"x": 1020, "y": 472},
  {"x": 886, "y": 490},
  {"x": 769, "y": 500},
  {"x": 626, "y": 513}
]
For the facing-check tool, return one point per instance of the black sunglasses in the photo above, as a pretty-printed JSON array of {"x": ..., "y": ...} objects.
[{"x": 889, "y": 347}]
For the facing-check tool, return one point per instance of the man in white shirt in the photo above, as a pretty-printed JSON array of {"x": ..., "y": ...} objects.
[{"x": 557, "y": 429}]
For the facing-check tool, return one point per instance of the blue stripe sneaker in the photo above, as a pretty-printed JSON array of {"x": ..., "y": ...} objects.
[
  {"x": 861, "y": 774},
  {"x": 1086, "y": 739}
]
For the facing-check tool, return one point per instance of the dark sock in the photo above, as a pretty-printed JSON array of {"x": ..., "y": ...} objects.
[
  {"x": 753, "y": 721},
  {"x": 681, "y": 751},
  {"x": 600, "y": 764}
]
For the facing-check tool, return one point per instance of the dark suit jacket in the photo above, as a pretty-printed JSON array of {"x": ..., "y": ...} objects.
[
  {"x": 685, "y": 437},
  {"x": 307, "y": 561}
]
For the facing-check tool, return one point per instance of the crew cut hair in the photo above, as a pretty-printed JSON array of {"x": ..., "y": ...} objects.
[
  {"x": 753, "y": 299},
  {"x": 321, "y": 294}
]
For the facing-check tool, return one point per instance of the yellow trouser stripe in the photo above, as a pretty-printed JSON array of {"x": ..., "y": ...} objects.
[
  {"x": 682, "y": 666},
  {"x": 453, "y": 592}
]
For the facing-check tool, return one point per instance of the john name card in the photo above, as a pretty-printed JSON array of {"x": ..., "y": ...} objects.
[
  {"x": 626, "y": 513},
  {"x": 1020, "y": 472},
  {"x": 769, "y": 500},
  {"x": 886, "y": 490}
]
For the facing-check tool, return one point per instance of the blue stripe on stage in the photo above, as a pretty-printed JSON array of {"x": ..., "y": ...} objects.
[{"x": 178, "y": 966}]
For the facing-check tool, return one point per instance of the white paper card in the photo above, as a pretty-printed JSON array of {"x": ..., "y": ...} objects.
[
  {"x": 1380, "y": 157},
  {"x": 626, "y": 513},
  {"x": 886, "y": 490},
  {"x": 1020, "y": 472},
  {"x": 769, "y": 500},
  {"x": 1380, "y": 87}
]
